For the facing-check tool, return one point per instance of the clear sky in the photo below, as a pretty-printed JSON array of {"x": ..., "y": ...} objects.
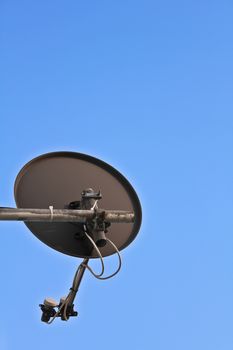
[{"x": 146, "y": 86}]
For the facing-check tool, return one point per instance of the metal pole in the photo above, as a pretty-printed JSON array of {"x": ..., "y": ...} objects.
[{"x": 64, "y": 215}]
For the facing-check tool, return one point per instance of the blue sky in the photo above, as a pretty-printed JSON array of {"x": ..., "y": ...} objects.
[{"x": 146, "y": 86}]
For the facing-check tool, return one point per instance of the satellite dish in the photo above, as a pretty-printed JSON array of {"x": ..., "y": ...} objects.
[
  {"x": 77, "y": 205},
  {"x": 58, "y": 179}
]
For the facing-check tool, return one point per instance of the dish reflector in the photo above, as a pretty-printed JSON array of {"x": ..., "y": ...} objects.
[{"x": 56, "y": 179}]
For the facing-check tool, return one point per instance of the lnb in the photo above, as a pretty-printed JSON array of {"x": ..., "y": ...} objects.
[
  {"x": 49, "y": 312},
  {"x": 48, "y": 309}
]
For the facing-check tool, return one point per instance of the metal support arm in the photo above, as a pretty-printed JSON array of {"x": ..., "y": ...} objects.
[{"x": 79, "y": 279}]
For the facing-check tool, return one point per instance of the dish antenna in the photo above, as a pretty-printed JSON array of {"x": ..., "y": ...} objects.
[{"x": 70, "y": 202}]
